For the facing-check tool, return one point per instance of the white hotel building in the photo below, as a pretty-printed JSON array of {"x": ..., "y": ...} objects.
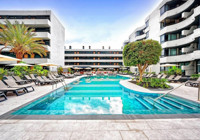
[
  {"x": 47, "y": 27},
  {"x": 176, "y": 25},
  {"x": 94, "y": 58}
]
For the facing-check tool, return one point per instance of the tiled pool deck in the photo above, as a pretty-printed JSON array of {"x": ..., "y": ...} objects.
[{"x": 96, "y": 129}]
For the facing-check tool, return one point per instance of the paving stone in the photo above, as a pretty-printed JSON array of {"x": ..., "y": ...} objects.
[
  {"x": 108, "y": 135},
  {"x": 133, "y": 135},
  {"x": 157, "y": 135},
  {"x": 58, "y": 136},
  {"x": 34, "y": 136},
  {"x": 139, "y": 126}
]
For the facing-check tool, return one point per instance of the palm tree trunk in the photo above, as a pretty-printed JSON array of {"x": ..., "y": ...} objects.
[{"x": 19, "y": 56}]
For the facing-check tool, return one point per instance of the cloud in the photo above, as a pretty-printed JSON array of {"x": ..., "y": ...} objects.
[
  {"x": 83, "y": 32},
  {"x": 102, "y": 34}
]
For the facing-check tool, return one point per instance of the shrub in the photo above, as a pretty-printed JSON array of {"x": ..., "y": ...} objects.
[
  {"x": 174, "y": 71},
  {"x": 70, "y": 70},
  {"x": 195, "y": 76},
  {"x": 60, "y": 70},
  {"x": 3, "y": 72},
  {"x": 154, "y": 83},
  {"x": 20, "y": 70},
  {"x": 39, "y": 71}
]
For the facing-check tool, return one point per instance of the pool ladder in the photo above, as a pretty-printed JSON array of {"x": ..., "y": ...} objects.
[{"x": 155, "y": 100}]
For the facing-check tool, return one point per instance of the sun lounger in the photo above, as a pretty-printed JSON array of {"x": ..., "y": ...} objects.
[
  {"x": 51, "y": 78},
  {"x": 19, "y": 80},
  {"x": 164, "y": 76},
  {"x": 193, "y": 83},
  {"x": 59, "y": 78},
  {"x": 29, "y": 78},
  {"x": 176, "y": 79},
  {"x": 4, "y": 88},
  {"x": 68, "y": 75},
  {"x": 77, "y": 74},
  {"x": 41, "y": 81},
  {"x": 159, "y": 75},
  {"x": 146, "y": 76},
  {"x": 2, "y": 94},
  {"x": 170, "y": 78},
  {"x": 33, "y": 77},
  {"x": 13, "y": 84},
  {"x": 149, "y": 76},
  {"x": 48, "y": 80}
]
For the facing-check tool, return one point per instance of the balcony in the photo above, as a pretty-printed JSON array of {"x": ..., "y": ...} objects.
[
  {"x": 181, "y": 58},
  {"x": 31, "y": 22},
  {"x": 96, "y": 66},
  {"x": 9, "y": 48},
  {"x": 189, "y": 49},
  {"x": 177, "y": 10},
  {"x": 95, "y": 55},
  {"x": 147, "y": 29},
  {"x": 35, "y": 60},
  {"x": 183, "y": 24},
  {"x": 188, "y": 32},
  {"x": 189, "y": 69},
  {"x": 96, "y": 60},
  {"x": 140, "y": 37},
  {"x": 182, "y": 41},
  {"x": 43, "y": 35}
]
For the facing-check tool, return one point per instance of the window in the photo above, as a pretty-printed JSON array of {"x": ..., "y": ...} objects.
[
  {"x": 172, "y": 52},
  {"x": 147, "y": 34},
  {"x": 198, "y": 66},
  {"x": 199, "y": 44},
  {"x": 164, "y": 9},
  {"x": 172, "y": 37},
  {"x": 162, "y": 38},
  {"x": 138, "y": 33}
]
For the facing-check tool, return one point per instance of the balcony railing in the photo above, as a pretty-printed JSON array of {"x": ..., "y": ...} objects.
[{"x": 177, "y": 10}]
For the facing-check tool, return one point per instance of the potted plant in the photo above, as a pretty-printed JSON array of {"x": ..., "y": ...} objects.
[{"x": 3, "y": 72}]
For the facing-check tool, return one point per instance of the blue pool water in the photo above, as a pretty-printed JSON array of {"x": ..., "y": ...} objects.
[{"x": 104, "y": 95}]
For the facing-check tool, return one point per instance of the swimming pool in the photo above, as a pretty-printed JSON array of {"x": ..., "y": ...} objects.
[{"x": 104, "y": 95}]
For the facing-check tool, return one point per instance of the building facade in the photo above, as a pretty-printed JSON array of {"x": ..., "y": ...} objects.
[
  {"x": 94, "y": 58},
  {"x": 176, "y": 25},
  {"x": 47, "y": 27}
]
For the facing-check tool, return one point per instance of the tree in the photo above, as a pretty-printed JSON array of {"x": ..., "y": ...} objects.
[
  {"x": 142, "y": 54},
  {"x": 21, "y": 39}
]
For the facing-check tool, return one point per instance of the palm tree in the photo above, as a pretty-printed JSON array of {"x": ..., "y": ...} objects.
[
  {"x": 21, "y": 39},
  {"x": 5, "y": 37}
]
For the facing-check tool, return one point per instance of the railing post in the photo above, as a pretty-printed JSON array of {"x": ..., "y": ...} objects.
[{"x": 199, "y": 92}]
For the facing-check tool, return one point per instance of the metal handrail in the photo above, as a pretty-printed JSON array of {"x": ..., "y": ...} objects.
[{"x": 168, "y": 92}]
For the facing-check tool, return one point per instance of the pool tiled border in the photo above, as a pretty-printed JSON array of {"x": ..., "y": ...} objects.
[{"x": 9, "y": 115}]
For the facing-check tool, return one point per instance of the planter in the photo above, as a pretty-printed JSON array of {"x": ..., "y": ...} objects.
[
  {"x": 32, "y": 55},
  {"x": 26, "y": 56}
]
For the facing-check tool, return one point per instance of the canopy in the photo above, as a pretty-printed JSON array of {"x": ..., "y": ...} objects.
[
  {"x": 76, "y": 68},
  {"x": 124, "y": 68},
  {"x": 168, "y": 65},
  {"x": 8, "y": 58},
  {"x": 20, "y": 64},
  {"x": 66, "y": 67},
  {"x": 47, "y": 64}
]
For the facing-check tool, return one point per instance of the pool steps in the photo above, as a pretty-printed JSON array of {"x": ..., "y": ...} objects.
[{"x": 145, "y": 105}]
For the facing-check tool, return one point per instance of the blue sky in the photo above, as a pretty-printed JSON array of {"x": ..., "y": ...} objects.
[{"x": 92, "y": 22}]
